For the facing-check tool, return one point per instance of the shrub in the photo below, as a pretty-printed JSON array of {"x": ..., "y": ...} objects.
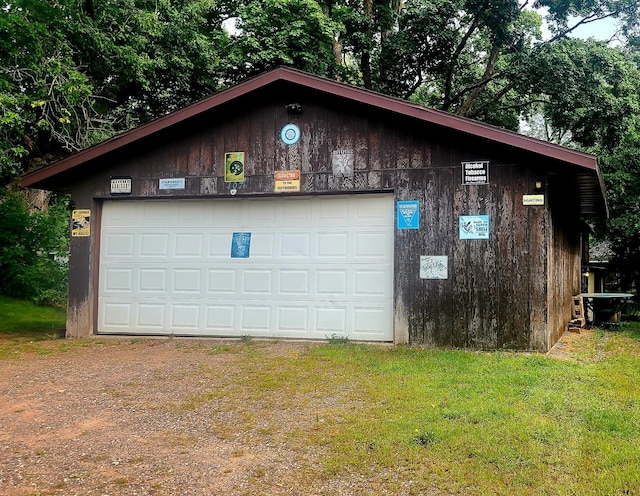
[{"x": 34, "y": 248}]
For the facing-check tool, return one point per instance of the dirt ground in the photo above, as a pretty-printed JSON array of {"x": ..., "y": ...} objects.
[{"x": 105, "y": 420}]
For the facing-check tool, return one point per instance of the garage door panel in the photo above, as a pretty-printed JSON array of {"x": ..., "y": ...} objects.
[
  {"x": 221, "y": 318},
  {"x": 219, "y": 246},
  {"x": 116, "y": 315},
  {"x": 370, "y": 245},
  {"x": 315, "y": 269},
  {"x": 118, "y": 281},
  {"x": 292, "y": 319},
  {"x": 368, "y": 283},
  {"x": 151, "y": 316},
  {"x": 187, "y": 281},
  {"x": 331, "y": 281},
  {"x": 152, "y": 280},
  {"x": 185, "y": 316},
  {"x": 255, "y": 318},
  {"x": 119, "y": 245},
  {"x": 368, "y": 321},
  {"x": 262, "y": 245},
  {"x": 294, "y": 282},
  {"x": 331, "y": 319},
  {"x": 297, "y": 245},
  {"x": 221, "y": 282},
  {"x": 189, "y": 245},
  {"x": 154, "y": 245}
]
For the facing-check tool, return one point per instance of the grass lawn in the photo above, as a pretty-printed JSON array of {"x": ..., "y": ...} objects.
[
  {"x": 458, "y": 422},
  {"x": 23, "y": 324}
]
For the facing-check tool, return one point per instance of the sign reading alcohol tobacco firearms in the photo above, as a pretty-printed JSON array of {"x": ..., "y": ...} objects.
[{"x": 475, "y": 172}]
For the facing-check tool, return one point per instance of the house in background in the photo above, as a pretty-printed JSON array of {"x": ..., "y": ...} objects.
[{"x": 292, "y": 206}]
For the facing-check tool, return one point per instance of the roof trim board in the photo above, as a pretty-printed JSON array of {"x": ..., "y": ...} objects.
[{"x": 367, "y": 97}]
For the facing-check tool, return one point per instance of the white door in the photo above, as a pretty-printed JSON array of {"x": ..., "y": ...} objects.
[{"x": 298, "y": 267}]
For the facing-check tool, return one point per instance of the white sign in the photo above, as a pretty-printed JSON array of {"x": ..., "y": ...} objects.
[
  {"x": 120, "y": 186},
  {"x": 533, "y": 199},
  {"x": 434, "y": 267},
  {"x": 172, "y": 183}
]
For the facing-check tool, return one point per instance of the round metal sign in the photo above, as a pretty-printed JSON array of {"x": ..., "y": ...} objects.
[{"x": 290, "y": 134}]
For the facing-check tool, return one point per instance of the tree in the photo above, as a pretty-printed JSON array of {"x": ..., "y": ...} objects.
[
  {"x": 74, "y": 73},
  {"x": 46, "y": 102},
  {"x": 33, "y": 249},
  {"x": 621, "y": 170},
  {"x": 281, "y": 32}
]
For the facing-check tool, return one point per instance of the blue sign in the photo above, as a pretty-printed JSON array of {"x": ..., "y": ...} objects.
[
  {"x": 290, "y": 134},
  {"x": 408, "y": 214},
  {"x": 240, "y": 245},
  {"x": 474, "y": 227}
]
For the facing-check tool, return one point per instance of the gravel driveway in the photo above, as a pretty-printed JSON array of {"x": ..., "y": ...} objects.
[{"x": 143, "y": 419}]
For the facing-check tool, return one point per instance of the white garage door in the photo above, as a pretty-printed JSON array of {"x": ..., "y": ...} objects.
[{"x": 299, "y": 267}]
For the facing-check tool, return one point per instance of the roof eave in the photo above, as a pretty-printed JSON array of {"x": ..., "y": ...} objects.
[{"x": 367, "y": 97}]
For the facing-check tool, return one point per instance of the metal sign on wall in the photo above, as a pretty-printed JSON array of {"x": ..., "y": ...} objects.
[
  {"x": 475, "y": 172},
  {"x": 474, "y": 227},
  {"x": 81, "y": 223},
  {"x": 286, "y": 181},
  {"x": 408, "y": 214},
  {"x": 120, "y": 185},
  {"x": 234, "y": 167}
]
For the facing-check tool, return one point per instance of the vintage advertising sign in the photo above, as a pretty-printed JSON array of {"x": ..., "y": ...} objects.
[
  {"x": 120, "y": 185},
  {"x": 171, "y": 183},
  {"x": 286, "y": 181},
  {"x": 234, "y": 167},
  {"x": 342, "y": 163},
  {"x": 80, "y": 223},
  {"x": 434, "y": 267},
  {"x": 408, "y": 214},
  {"x": 474, "y": 227},
  {"x": 475, "y": 172},
  {"x": 240, "y": 245},
  {"x": 533, "y": 199}
]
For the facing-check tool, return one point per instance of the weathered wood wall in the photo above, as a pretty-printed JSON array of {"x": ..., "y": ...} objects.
[{"x": 500, "y": 292}]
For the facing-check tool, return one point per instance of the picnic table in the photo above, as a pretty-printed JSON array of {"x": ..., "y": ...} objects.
[{"x": 605, "y": 308}]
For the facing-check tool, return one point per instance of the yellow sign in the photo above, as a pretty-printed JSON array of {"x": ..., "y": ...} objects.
[
  {"x": 533, "y": 199},
  {"x": 287, "y": 181},
  {"x": 234, "y": 167},
  {"x": 81, "y": 223}
]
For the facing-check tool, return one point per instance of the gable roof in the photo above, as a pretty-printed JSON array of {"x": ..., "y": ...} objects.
[{"x": 588, "y": 177}]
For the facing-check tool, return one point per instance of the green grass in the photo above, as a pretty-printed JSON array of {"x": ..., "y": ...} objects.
[
  {"x": 462, "y": 422},
  {"x": 23, "y": 319},
  {"x": 22, "y": 324}
]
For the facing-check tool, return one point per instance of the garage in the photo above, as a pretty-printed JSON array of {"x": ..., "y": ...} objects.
[
  {"x": 292, "y": 206},
  {"x": 296, "y": 267}
]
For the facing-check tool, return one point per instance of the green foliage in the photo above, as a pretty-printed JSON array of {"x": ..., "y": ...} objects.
[
  {"x": 46, "y": 100},
  {"x": 588, "y": 89},
  {"x": 70, "y": 78},
  {"x": 33, "y": 250},
  {"x": 621, "y": 171},
  {"x": 282, "y": 32}
]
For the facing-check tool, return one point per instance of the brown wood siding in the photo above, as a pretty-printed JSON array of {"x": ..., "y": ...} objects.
[
  {"x": 565, "y": 253},
  {"x": 495, "y": 295}
]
